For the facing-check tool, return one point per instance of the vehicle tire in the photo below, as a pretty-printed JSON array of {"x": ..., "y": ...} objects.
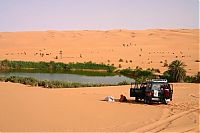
[
  {"x": 145, "y": 100},
  {"x": 136, "y": 99},
  {"x": 148, "y": 100},
  {"x": 164, "y": 101}
]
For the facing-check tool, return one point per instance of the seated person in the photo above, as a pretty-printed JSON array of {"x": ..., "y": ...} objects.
[{"x": 122, "y": 98}]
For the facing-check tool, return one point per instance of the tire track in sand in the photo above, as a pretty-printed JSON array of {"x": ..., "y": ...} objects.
[{"x": 159, "y": 124}]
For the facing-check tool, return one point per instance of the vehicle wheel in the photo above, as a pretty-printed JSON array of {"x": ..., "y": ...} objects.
[
  {"x": 150, "y": 102},
  {"x": 145, "y": 100},
  {"x": 164, "y": 101},
  {"x": 136, "y": 99}
]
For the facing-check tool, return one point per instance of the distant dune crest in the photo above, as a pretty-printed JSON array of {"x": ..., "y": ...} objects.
[{"x": 143, "y": 48}]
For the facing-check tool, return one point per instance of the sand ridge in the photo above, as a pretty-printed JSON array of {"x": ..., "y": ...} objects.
[
  {"x": 34, "y": 109},
  {"x": 143, "y": 48}
]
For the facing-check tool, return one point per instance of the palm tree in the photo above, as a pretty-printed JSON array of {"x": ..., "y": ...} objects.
[{"x": 177, "y": 71}]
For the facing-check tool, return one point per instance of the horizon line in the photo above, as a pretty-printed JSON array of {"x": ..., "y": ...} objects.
[{"x": 123, "y": 29}]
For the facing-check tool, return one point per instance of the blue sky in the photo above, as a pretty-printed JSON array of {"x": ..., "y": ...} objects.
[{"x": 29, "y": 15}]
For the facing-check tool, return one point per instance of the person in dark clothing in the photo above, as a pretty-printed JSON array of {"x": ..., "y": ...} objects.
[{"x": 123, "y": 98}]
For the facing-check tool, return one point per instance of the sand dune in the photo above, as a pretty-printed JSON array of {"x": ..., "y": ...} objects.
[
  {"x": 26, "y": 108},
  {"x": 144, "y": 48}
]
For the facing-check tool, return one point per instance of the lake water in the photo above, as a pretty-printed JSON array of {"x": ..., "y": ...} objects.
[{"x": 71, "y": 77}]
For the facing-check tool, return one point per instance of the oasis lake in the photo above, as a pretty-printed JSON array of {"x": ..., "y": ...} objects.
[{"x": 69, "y": 77}]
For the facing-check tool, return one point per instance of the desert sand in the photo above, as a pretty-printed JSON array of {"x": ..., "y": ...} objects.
[
  {"x": 25, "y": 108},
  {"x": 143, "y": 48}
]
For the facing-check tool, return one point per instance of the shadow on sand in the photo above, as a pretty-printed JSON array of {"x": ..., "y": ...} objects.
[
  {"x": 132, "y": 101},
  {"x": 127, "y": 102}
]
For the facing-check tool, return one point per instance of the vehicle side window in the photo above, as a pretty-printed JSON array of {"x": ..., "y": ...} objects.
[
  {"x": 148, "y": 86},
  {"x": 136, "y": 86},
  {"x": 143, "y": 86},
  {"x": 166, "y": 86}
]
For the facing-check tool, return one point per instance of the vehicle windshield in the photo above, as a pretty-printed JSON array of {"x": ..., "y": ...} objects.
[
  {"x": 160, "y": 86},
  {"x": 156, "y": 86}
]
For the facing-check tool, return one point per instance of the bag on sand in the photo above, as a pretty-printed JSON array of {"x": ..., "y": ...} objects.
[{"x": 110, "y": 99}]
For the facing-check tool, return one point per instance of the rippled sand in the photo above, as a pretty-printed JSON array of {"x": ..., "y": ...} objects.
[{"x": 25, "y": 108}]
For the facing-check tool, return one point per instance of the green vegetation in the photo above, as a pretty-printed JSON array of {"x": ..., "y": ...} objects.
[
  {"x": 91, "y": 65},
  {"x": 52, "y": 84},
  {"x": 154, "y": 70},
  {"x": 6, "y": 64},
  {"x": 53, "y": 66},
  {"x": 138, "y": 74},
  {"x": 123, "y": 83},
  {"x": 176, "y": 72},
  {"x": 193, "y": 79},
  {"x": 165, "y": 64}
]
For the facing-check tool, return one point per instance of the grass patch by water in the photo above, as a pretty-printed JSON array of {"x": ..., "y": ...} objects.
[
  {"x": 53, "y": 66},
  {"x": 138, "y": 74},
  {"x": 53, "y": 84}
]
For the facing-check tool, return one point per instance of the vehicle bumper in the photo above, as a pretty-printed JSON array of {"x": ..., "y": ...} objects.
[
  {"x": 158, "y": 99},
  {"x": 155, "y": 99}
]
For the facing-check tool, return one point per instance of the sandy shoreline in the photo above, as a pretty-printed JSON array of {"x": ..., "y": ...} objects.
[{"x": 37, "y": 109}]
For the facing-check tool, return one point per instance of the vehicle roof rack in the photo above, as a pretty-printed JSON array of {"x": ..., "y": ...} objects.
[{"x": 158, "y": 80}]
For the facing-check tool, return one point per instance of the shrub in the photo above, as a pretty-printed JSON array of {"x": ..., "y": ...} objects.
[
  {"x": 2, "y": 79},
  {"x": 137, "y": 67},
  {"x": 123, "y": 83},
  {"x": 141, "y": 79},
  {"x": 121, "y": 60},
  {"x": 154, "y": 70},
  {"x": 193, "y": 79},
  {"x": 165, "y": 64},
  {"x": 91, "y": 65},
  {"x": 136, "y": 73}
]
